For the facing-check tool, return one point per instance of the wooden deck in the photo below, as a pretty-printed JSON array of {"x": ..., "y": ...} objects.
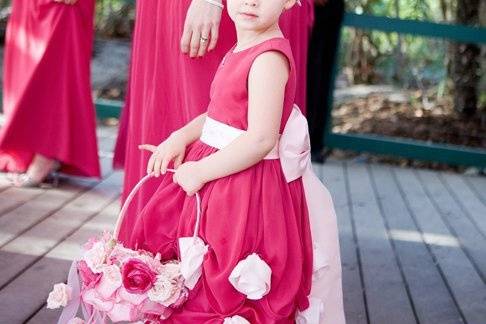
[{"x": 413, "y": 242}]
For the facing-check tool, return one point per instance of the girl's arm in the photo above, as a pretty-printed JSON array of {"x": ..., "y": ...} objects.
[
  {"x": 192, "y": 130},
  {"x": 174, "y": 147},
  {"x": 266, "y": 88}
]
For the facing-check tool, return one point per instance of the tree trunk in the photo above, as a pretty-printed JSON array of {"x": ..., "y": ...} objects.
[{"x": 465, "y": 62}]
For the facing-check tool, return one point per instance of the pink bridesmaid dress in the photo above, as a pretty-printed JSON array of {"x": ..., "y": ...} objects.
[
  {"x": 296, "y": 25},
  {"x": 254, "y": 213},
  {"x": 167, "y": 89},
  {"x": 47, "y": 93}
]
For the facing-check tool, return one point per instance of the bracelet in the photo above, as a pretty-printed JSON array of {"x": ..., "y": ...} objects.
[{"x": 215, "y": 3}]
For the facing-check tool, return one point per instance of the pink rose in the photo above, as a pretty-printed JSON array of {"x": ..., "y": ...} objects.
[
  {"x": 92, "y": 297},
  {"x": 135, "y": 299},
  {"x": 155, "y": 312},
  {"x": 119, "y": 254},
  {"x": 88, "y": 277},
  {"x": 138, "y": 278},
  {"x": 110, "y": 281},
  {"x": 95, "y": 257},
  {"x": 124, "y": 312},
  {"x": 91, "y": 242},
  {"x": 59, "y": 296}
]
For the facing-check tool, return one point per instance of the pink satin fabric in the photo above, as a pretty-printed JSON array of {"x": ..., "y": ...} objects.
[
  {"x": 47, "y": 93},
  {"x": 294, "y": 153}
]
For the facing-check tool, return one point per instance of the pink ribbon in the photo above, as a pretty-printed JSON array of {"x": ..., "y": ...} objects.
[
  {"x": 71, "y": 309},
  {"x": 295, "y": 158}
]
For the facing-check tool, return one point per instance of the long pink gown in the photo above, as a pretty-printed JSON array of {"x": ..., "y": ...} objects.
[
  {"x": 167, "y": 89},
  {"x": 47, "y": 93},
  {"x": 253, "y": 211}
]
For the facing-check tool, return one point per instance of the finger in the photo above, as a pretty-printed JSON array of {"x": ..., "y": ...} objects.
[
  {"x": 148, "y": 147},
  {"x": 186, "y": 40},
  {"x": 174, "y": 178},
  {"x": 214, "y": 37},
  {"x": 165, "y": 163},
  {"x": 150, "y": 164},
  {"x": 178, "y": 160},
  {"x": 158, "y": 162},
  {"x": 204, "y": 41},
  {"x": 195, "y": 42}
]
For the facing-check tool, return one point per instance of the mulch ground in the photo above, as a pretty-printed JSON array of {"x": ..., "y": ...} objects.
[{"x": 413, "y": 119}]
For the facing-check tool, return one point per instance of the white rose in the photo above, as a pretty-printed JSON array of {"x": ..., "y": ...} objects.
[
  {"x": 171, "y": 270},
  {"x": 165, "y": 291},
  {"x": 252, "y": 277},
  {"x": 235, "y": 320},
  {"x": 59, "y": 296},
  {"x": 95, "y": 257}
]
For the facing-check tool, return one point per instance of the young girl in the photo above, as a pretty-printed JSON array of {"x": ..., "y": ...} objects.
[{"x": 247, "y": 158}]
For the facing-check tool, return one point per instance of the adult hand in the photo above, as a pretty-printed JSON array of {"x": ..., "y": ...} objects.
[
  {"x": 69, "y": 2},
  {"x": 201, "y": 28}
]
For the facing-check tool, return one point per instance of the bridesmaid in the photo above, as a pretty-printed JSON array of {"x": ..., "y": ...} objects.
[
  {"x": 177, "y": 46},
  {"x": 174, "y": 59},
  {"x": 50, "y": 119}
]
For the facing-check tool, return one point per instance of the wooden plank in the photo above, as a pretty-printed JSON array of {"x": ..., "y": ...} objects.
[
  {"x": 52, "y": 268},
  {"x": 458, "y": 222},
  {"x": 465, "y": 197},
  {"x": 431, "y": 298},
  {"x": 386, "y": 294},
  {"x": 35, "y": 210},
  {"x": 23, "y": 251},
  {"x": 12, "y": 198},
  {"x": 332, "y": 175},
  {"x": 464, "y": 282},
  {"x": 478, "y": 185},
  {"x": 23, "y": 216}
]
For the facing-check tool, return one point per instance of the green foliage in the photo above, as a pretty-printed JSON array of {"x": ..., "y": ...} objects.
[{"x": 406, "y": 60}]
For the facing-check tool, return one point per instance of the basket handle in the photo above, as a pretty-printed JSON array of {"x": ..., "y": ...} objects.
[{"x": 132, "y": 194}]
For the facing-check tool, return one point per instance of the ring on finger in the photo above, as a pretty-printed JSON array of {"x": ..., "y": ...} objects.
[{"x": 204, "y": 39}]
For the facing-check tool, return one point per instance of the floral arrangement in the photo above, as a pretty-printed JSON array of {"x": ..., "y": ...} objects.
[{"x": 122, "y": 284}]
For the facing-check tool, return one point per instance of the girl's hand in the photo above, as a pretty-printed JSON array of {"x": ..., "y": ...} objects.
[
  {"x": 172, "y": 149},
  {"x": 69, "y": 2},
  {"x": 189, "y": 177},
  {"x": 201, "y": 28}
]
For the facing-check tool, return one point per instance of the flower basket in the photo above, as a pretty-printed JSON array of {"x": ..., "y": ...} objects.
[{"x": 113, "y": 282}]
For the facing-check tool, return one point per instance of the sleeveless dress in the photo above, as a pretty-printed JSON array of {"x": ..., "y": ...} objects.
[
  {"x": 47, "y": 92},
  {"x": 252, "y": 211},
  {"x": 167, "y": 89}
]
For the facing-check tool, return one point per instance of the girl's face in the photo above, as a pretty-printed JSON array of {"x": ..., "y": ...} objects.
[{"x": 255, "y": 15}]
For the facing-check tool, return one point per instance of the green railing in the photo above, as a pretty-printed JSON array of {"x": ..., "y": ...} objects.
[
  {"x": 408, "y": 148},
  {"x": 108, "y": 108}
]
